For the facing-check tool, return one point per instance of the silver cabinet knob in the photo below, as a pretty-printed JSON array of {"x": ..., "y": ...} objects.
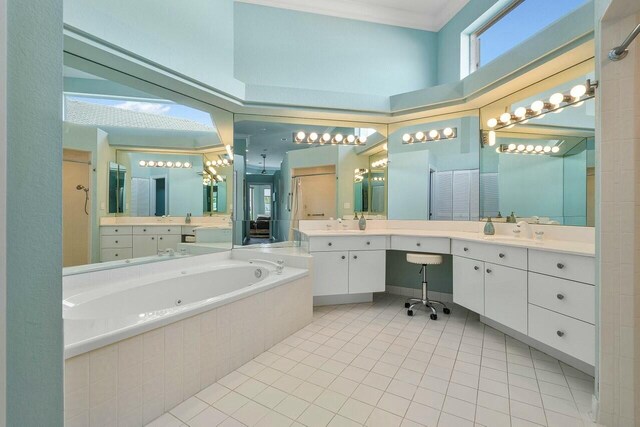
[
  {"x": 560, "y": 296},
  {"x": 560, "y": 333},
  {"x": 476, "y": 268},
  {"x": 466, "y": 249},
  {"x": 488, "y": 270},
  {"x": 560, "y": 265},
  {"x": 418, "y": 244},
  {"x": 355, "y": 257},
  {"x": 501, "y": 255},
  {"x": 368, "y": 243},
  {"x": 343, "y": 257},
  {"x": 329, "y": 243}
]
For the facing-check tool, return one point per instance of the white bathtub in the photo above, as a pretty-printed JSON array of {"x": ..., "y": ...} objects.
[{"x": 108, "y": 314}]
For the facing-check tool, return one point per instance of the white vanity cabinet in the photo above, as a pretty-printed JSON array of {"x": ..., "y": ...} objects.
[
  {"x": 468, "y": 283},
  {"x": 505, "y": 296},
  {"x": 127, "y": 242},
  {"x": 348, "y": 264}
]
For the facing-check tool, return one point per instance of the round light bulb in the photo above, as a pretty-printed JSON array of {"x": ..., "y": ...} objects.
[
  {"x": 537, "y": 106},
  {"x": 300, "y": 136},
  {"x": 151, "y": 163},
  {"x": 351, "y": 139},
  {"x": 578, "y": 91},
  {"x": 556, "y": 98},
  {"x": 521, "y": 147},
  {"x": 512, "y": 147},
  {"x": 339, "y": 137},
  {"x": 186, "y": 165},
  {"x": 178, "y": 164},
  {"x": 505, "y": 117},
  {"x": 362, "y": 139},
  {"x": 538, "y": 148},
  {"x": 546, "y": 149},
  {"x": 208, "y": 163},
  {"x": 555, "y": 149},
  {"x": 448, "y": 132},
  {"x": 169, "y": 164},
  {"x": 530, "y": 148},
  {"x": 225, "y": 161},
  {"x": 160, "y": 164},
  {"x": 492, "y": 122},
  {"x": 326, "y": 137},
  {"x": 313, "y": 136},
  {"x": 406, "y": 138},
  {"x": 420, "y": 136},
  {"x": 142, "y": 163},
  {"x": 434, "y": 134},
  {"x": 492, "y": 138},
  {"x": 520, "y": 112}
]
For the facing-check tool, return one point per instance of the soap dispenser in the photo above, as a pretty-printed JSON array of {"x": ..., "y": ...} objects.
[
  {"x": 355, "y": 216},
  {"x": 187, "y": 220},
  {"x": 511, "y": 218},
  {"x": 489, "y": 229},
  {"x": 362, "y": 222}
]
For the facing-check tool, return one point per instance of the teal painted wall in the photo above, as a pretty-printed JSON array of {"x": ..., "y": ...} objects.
[
  {"x": 34, "y": 216},
  {"x": 402, "y": 273},
  {"x": 278, "y": 47}
]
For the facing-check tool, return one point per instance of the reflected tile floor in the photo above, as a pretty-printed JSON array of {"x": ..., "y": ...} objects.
[{"x": 372, "y": 365}]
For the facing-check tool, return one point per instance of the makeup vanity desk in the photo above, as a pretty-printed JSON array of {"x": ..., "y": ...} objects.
[{"x": 540, "y": 292}]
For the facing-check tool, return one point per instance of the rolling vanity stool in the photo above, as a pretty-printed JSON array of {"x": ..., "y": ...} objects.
[{"x": 424, "y": 260}]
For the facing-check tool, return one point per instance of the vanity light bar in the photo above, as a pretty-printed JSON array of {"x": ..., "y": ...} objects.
[
  {"x": 528, "y": 149},
  {"x": 219, "y": 163},
  {"x": 358, "y": 174},
  {"x": 432, "y": 135},
  {"x": 164, "y": 164},
  {"x": 538, "y": 109},
  {"x": 382, "y": 163},
  {"x": 328, "y": 138},
  {"x": 378, "y": 178}
]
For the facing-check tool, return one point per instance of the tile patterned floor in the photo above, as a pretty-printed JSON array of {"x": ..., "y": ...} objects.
[{"x": 370, "y": 364}]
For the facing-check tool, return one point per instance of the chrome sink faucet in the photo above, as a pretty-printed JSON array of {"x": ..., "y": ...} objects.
[{"x": 523, "y": 226}]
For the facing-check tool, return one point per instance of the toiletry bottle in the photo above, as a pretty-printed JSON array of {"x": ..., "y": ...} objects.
[
  {"x": 362, "y": 222},
  {"x": 489, "y": 229},
  {"x": 512, "y": 218},
  {"x": 499, "y": 215},
  {"x": 355, "y": 215},
  {"x": 187, "y": 220}
]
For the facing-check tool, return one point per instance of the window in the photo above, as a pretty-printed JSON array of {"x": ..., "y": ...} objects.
[{"x": 514, "y": 24}]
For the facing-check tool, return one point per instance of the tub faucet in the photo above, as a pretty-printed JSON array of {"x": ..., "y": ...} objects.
[
  {"x": 279, "y": 264},
  {"x": 523, "y": 226}
]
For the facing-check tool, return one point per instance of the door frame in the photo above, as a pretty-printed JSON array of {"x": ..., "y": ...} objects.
[
  {"x": 3, "y": 207},
  {"x": 152, "y": 194}
]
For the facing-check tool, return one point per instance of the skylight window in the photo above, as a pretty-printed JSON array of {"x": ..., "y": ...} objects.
[{"x": 514, "y": 24}]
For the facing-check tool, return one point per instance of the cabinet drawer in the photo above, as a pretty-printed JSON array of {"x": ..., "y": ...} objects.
[
  {"x": 107, "y": 255},
  {"x": 348, "y": 243},
  {"x": 496, "y": 254},
  {"x": 186, "y": 229},
  {"x": 573, "y": 299},
  {"x": 113, "y": 242},
  {"x": 570, "y": 336},
  {"x": 114, "y": 231},
  {"x": 566, "y": 266},
  {"x": 157, "y": 229},
  {"x": 441, "y": 245}
]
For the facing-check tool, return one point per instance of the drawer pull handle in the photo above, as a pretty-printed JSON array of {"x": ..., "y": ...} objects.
[
  {"x": 488, "y": 270},
  {"x": 368, "y": 243},
  {"x": 116, "y": 241},
  {"x": 355, "y": 257},
  {"x": 466, "y": 249},
  {"x": 560, "y": 333},
  {"x": 560, "y": 296},
  {"x": 329, "y": 243},
  {"x": 144, "y": 230},
  {"x": 116, "y": 230},
  {"x": 343, "y": 257},
  {"x": 476, "y": 268},
  {"x": 418, "y": 244},
  {"x": 501, "y": 255},
  {"x": 560, "y": 265},
  {"x": 161, "y": 238}
]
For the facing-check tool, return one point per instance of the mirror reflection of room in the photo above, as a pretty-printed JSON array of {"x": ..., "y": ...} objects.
[
  {"x": 302, "y": 170},
  {"x": 144, "y": 177},
  {"x": 538, "y": 156}
]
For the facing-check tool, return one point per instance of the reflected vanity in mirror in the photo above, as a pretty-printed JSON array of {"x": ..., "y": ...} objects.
[
  {"x": 433, "y": 168},
  {"x": 300, "y": 169},
  {"x": 538, "y": 155},
  {"x": 157, "y": 174}
]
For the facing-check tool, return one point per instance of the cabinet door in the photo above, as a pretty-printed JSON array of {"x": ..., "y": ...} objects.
[
  {"x": 330, "y": 273},
  {"x": 367, "y": 271},
  {"x": 505, "y": 296},
  {"x": 468, "y": 283},
  {"x": 168, "y": 241},
  {"x": 145, "y": 246}
]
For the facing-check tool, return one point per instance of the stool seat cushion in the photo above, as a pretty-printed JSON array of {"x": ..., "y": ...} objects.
[{"x": 424, "y": 258}]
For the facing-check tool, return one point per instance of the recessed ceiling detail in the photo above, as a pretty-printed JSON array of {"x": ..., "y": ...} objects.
[{"x": 430, "y": 15}]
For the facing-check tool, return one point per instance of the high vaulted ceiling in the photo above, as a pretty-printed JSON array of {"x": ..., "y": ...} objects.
[{"x": 430, "y": 15}]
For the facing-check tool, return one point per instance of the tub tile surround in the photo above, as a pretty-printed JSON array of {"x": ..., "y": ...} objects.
[{"x": 369, "y": 364}]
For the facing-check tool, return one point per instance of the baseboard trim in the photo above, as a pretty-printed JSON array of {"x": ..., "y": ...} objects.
[
  {"x": 342, "y": 299},
  {"x": 417, "y": 293}
]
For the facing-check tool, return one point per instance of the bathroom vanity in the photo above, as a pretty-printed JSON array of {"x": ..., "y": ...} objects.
[{"x": 539, "y": 291}]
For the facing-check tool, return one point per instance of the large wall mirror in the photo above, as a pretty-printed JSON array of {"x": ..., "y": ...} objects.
[
  {"x": 538, "y": 155},
  {"x": 147, "y": 174},
  {"x": 291, "y": 169},
  {"x": 433, "y": 168}
]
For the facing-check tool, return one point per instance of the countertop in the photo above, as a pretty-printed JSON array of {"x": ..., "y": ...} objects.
[{"x": 562, "y": 246}]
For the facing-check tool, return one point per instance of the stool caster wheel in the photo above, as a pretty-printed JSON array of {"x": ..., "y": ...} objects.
[
  {"x": 433, "y": 316},
  {"x": 407, "y": 305},
  {"x": 409, "y": 312},
  {"x": 446, "y": 310}
]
